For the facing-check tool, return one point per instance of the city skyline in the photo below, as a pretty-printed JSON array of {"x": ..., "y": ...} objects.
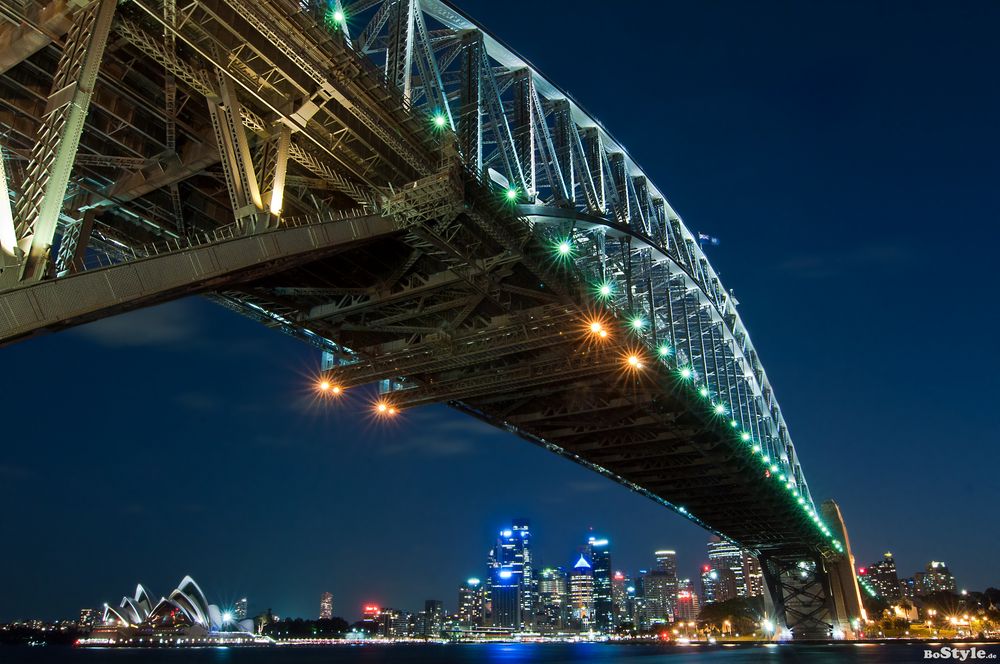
[{"x": 223, "y": 407}]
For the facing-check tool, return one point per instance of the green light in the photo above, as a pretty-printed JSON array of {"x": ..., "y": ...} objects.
[
  {"x": 703, "y": 391},
  {"x": 686, "y": 373},
  {"x": 745, "y": 436},
  {"x": 733, "y": 423},
  {"x": 774, "y": 468},
  {"x": 439, "y": 120},
  {"x": 338, "y": 16},
  {"x": 512, "y": 194},
  {"x": 605, "y": 289},
  {"x": 756, "y": 448},
  {"x": 720, "y": 409},
  {"x": 664, "y": 350},
  {"x": 565, "y": 248},
  {"x": 638, "y": 323},
  {"x": 766, "y": 459}
]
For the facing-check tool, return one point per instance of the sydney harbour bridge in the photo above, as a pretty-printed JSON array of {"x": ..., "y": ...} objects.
[{"x": 387, "y": 181}]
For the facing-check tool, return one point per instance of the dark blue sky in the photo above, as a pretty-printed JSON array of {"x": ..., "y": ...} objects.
[{"x": 846, "y": 154}]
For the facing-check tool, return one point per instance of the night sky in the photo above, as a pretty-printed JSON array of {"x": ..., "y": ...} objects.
[{"x": 847, "y": 157}]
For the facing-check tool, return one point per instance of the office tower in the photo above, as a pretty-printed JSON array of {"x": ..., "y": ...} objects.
[
  {"x": 508, "y": 580},
  {"x": 600, "y": 559},
  {"x": 522, "y": 531},
  {"x": 753, "y": 575},
  {"x": 433, "y": 618},
  {"x": 883, "y": 578},
  {"x": 687, "y": 602},
  {"x": 552, "y": 599},
  {"x": 660, "y": 589},
  {"x": 745, "y": 567},
  {"x": 908, "y": 587},
  {"x": 619, "y": 597},
  {"x": 470, "y": 603},
  {"x": 935, "y": 578},
  {"x": 505, "y": 598},
  {"x": 718, "y": 585},
  {"x": 393, "y": 623},
  {"x": 581, "y": 593},
  {"x": 326, "y": 606},
  {"x": 240, "y": 609}
]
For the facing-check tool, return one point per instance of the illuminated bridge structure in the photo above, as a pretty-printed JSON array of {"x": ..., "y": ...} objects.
[{"x": 390, "y": 183}]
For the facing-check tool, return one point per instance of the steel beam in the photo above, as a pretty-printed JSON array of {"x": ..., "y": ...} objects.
[{"x": 52, "y": 157}]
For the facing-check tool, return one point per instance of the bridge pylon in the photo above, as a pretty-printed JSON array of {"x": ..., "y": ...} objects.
[{"x": 813, "y": 595}]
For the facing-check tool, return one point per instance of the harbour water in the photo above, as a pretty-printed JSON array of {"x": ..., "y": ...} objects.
[{"x": 497, "y": 653}]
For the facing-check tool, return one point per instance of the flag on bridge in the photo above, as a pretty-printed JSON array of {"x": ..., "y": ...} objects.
[{"x": 703, "y": 238}]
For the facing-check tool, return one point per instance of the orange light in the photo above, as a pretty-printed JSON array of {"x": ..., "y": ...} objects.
[
  {"x": 603, "y": 333},
  {"x": 634, "y": 362},
  {"x": 381, "y": 407},
  {"x": 325, "y": 386},
  {"x": 336, "y": 389}
]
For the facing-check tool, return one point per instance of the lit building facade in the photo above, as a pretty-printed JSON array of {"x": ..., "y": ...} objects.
[
  {"x": 935, "y": 578},
  {"x": 688, "y": 606},
  {"x": 552, "y": 599},
  {"x": 883, "y": 577},
  {"x": 747, "y": 574},
  {"x": 603, "y": 617},
  {"x": 240, "y": 609},
  {"x": 581, "y": 593},
  {"x": 326, "y": 606},
  {"x": 470, "y": 603},
  {"x": 717, "y": 585},
  {"x": 511, "y": 578}
]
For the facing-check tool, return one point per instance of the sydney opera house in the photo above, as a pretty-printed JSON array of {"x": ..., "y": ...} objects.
[{"x": 182, "y": 618}]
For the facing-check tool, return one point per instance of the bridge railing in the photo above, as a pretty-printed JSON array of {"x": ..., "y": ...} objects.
[{"x": 116, "y": 253}]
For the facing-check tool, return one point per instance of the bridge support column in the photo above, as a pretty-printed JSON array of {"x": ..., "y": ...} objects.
[
  {"x": 814, "y": 595},
  {"x": 58, "y": 138}
]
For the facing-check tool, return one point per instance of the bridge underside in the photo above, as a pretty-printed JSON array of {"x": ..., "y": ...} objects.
[{"x": 417, "y": 202}]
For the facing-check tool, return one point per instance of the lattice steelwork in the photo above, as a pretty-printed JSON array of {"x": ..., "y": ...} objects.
[{"x": 426, "y": 207}]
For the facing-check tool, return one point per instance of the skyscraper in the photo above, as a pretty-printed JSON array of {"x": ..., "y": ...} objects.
[
  {"x": 511, "y": 578},
  {"x": 620, "y": 598},
  {"x": 746, "y": 570},
  {"x": 882, "y": 575},
  {"x": 935, "y": 578},
  {"x": 470, "y": 603},
  {"x": 552, "y": 599},
  {"x": 522, "y": 531},
  {"x": 753, "y": 574},
  {"x": 687, "y": 601},
  {"x": 326, "y": 606},
  {"x": 240, "y": 609},
  {"x": 717, "y": 584},
  {"x": 600, "y": 559},
  {"x": 660, "y": 588},
  {"x": 432, "y": 619},
  {"x": 581, "y": 593}
]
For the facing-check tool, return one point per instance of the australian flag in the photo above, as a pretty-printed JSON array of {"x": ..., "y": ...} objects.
[{"x": 703, "y": 238}]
